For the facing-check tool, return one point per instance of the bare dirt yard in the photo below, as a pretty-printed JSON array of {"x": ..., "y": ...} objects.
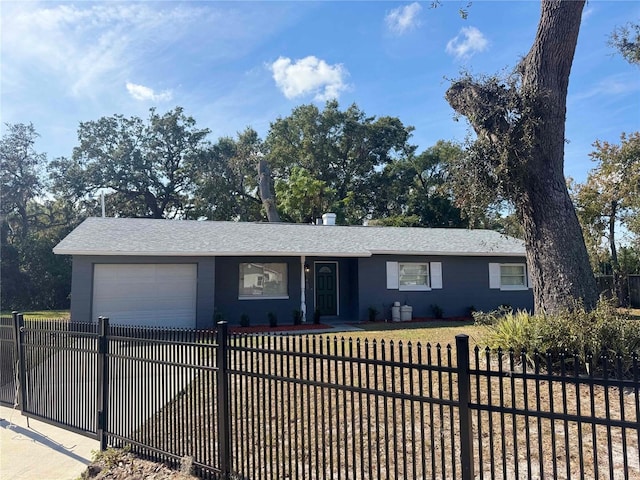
[{"x": 122, "y": 465}]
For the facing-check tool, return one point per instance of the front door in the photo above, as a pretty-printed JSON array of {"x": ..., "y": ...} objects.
[{"x": 327, "y": 288}]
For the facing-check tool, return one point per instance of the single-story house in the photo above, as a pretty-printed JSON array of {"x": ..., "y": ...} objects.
[{"x": 183, "y": 273}]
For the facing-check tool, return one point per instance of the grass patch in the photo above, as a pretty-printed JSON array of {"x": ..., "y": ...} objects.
[
  {"x": 434, "y": 332},
  {"x": 42, "y": 314}
]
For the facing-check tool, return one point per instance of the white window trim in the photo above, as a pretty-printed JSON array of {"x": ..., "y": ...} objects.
[
  {"x": 263, "y": 297},
  {"x": 495, "y": 277}
]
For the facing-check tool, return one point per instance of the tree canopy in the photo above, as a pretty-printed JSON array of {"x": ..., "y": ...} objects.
[
  {"x": 148, "y": 167},
  {"x": 626, "y": 40},
  {"x": 609, "y": 199},
  {"x": 342, "y": 149}
]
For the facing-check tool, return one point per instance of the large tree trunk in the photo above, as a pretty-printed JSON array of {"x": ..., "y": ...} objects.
[
  {"x": 267, "y": 196},
  {"x": 556, "y": 253}
]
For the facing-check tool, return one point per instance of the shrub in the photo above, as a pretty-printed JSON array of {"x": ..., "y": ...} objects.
[
  {"x": 218, "y": 316},
  {"x": 244, "y": 320},
  {"x": 297, "y": 317},
  {"x": 437, "y": 310},
  {"x": 589, "y": 335},
  {"x": 509, "y": 331},
  {"x": 273, "y": 319},
  {"x": 372, "y": 313},
  {"x": 492, "y": 317},
  {"x": 316, "y": 317}
]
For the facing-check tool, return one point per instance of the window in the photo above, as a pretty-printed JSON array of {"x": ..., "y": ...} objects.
[
  {"x": 413, "y": 276},
  {"x": 263, "y": 280},
  {"x": 508, "y": 276},
  {"x": 416, "y": 276}
]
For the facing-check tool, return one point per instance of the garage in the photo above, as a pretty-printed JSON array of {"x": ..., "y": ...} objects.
[{"x": 159, "y": 295}]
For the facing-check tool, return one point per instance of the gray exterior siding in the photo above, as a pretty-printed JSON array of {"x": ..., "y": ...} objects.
[
  {"x": 465, "y": 284},
  {"x": 230, "y": 307},
  {"x": 82, "y": 283},
  {"x": 361, "y": 283}
]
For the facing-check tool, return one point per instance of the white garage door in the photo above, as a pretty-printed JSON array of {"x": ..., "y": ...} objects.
[{"x": 155, "y": 295}]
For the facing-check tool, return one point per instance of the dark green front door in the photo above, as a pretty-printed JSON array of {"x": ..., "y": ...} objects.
[{"x": 326, "y": 288}]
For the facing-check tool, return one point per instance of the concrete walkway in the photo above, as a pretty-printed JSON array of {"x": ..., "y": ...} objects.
[{"x": 39, "y": 451}]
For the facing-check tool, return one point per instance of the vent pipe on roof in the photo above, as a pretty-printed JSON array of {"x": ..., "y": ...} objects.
[{"x": 329, "y": 219}]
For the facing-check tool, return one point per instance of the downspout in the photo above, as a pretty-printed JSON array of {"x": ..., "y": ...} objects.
[{"x": 303, "y": 286}]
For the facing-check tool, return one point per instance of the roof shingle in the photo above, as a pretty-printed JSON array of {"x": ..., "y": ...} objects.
[{"x": 146, "y": 237}]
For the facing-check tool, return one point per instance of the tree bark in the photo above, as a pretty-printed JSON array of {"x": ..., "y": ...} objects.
[
  {"x": 556, "y": 254},
  {"x": 267, "y": 196},
  {"x": 615, "y": 264},
  {"x": 556, "y": 251}
]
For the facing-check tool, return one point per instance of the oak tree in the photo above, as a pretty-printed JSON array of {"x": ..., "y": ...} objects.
[{"x": 518, "y": 155}]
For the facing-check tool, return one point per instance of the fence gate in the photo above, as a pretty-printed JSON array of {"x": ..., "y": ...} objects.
[
  {"x": 8, "y": 359},
  {"x": 57, "y": 369}
]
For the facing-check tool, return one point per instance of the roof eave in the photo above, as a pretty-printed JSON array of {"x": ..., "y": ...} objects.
[
  {"x": 128, "y": 253},
  {"x": 449, "y": 253}
]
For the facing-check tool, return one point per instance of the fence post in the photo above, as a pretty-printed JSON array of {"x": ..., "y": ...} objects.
[
  {"x": 21, "y": 370},
  {"x": 224, "y": 421},
  {"x": 102, "y": 400},
  {"x": 464, "y": 397}
]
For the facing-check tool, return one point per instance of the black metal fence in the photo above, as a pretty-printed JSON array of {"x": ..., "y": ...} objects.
[
  {"x": 630, "y": 286},
  {"x": 273, "y": 407}
]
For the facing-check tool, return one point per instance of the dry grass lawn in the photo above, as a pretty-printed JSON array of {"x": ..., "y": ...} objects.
[{"x": 321, "y": 407}]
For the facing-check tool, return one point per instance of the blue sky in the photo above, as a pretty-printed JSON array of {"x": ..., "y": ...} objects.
[{"x": 238, "y": 64}]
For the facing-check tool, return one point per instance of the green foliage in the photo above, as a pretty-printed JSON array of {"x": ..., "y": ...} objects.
[
  {"x": 149, "y": 167},
  {"x": 492, "y": 317},
  {"x": 244, "y": 320},
  {"x": 602, "y": 331},
  {"x": 218, "y": 316},
  {"x": 30, "y": 226},
  {"x": 610, "y": 198},
  {"x": 414, "y": 190},
  {"x": 505, "y": 114},
  {"x": 302, "y": 198},
  {"x": 111, "y": 456},
  {"x": 372, "y": 313},
  {"x": 626, "y": 40},
  {"x": 337, "y": 154},
  {"x": 273, "y": 319},
  {"x": 297, "y": 317},
  {"x": 316, "y": 316},
  {"x": 437, "y": 311},
  {"x": 21, "y": 180},
  {"x": 226, "y": 179}
]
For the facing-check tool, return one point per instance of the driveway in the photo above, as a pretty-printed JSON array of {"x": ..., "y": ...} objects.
[{"x": 30, "y": 449}]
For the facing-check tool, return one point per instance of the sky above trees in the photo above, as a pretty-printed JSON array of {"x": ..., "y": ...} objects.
[{"x": 233, "y": 65}]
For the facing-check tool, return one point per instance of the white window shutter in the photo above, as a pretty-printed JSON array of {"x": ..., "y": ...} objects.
[
  {"x": 393, "y": 282},
  {"x": 436, "y": 274},
  {"x": 494, "y": 275}
]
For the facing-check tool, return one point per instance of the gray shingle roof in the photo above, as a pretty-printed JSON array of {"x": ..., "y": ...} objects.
[{"x": 135, "y": 236}]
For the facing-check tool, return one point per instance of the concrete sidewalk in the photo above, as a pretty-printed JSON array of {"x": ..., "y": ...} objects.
[{"x": 39, "y": 451}]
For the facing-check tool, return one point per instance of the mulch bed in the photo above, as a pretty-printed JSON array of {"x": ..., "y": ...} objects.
[{"x": 321, "y": 326}]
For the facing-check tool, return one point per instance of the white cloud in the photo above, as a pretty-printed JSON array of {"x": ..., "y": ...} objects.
[
  {"x": 403, "y": 19},
  {"x": 309, "y": 75},
  {"x": 140, "y": 92},
  {"x": 467, "y": 43},
  {"x": 86, "y": 48}
]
